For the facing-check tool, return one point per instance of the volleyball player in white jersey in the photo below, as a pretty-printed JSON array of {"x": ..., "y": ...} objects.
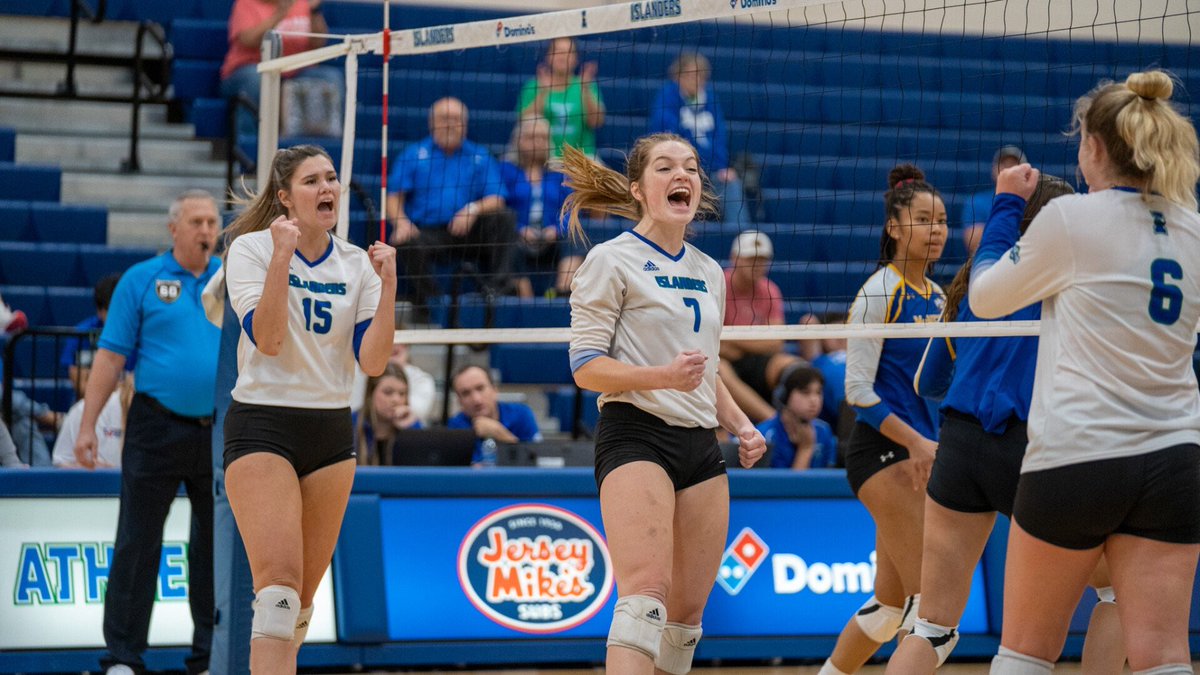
[
  {"x": 646, "y": 317},
  {"x": 309, "y": 305},
  {"x": 1113, "y": 464},
  {"x": 891, "y": 448}
]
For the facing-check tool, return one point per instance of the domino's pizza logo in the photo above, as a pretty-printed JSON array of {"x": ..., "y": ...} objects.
[
  {"x": 535, "y": 568},
  {"x": 741, "y": 559}
]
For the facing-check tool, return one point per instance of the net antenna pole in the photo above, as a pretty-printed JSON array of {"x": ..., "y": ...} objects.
[
  {"x": 383, "y": 146},
  {"x": 348, "y": 132}
]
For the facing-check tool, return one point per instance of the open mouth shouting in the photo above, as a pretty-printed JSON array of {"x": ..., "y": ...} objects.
[{"x": 680, "y": 197}]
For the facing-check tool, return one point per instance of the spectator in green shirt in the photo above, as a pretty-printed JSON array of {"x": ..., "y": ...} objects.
[{"x": 570, "y": 102}]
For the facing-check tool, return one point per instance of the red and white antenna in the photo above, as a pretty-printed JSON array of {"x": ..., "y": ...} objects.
[{"x": 383, "y": 148}]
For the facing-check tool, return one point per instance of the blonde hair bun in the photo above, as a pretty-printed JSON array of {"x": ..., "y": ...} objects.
[{"x": 1152, "y": 84}]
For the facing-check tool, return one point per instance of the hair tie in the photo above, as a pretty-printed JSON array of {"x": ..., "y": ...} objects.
[{"x": 900, "y": 183}]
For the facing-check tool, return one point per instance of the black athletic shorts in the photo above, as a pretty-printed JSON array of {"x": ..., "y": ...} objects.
[
  {"x": 1155, "y": 495},
  {"x": 752, "y": 369},
  {"x": 309, "y": 439},
  {"x": 868, "y": 453},
  {"x": 976, "y": 471},
  {"x": 626, "y": 433}
]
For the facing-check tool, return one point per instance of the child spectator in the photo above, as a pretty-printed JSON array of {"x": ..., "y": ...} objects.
[{"x": 799, "y": 439}]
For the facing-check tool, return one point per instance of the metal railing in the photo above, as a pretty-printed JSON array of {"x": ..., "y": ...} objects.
[
  {"x": 141, "y": 77},
  {"x": 33, "y": 384}
]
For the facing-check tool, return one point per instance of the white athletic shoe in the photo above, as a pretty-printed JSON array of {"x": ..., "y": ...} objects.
[{"x": 119, "y": 669}]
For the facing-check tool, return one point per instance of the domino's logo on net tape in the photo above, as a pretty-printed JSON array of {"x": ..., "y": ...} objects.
[
  {"x": 741, "y": 559},
  {"x": 535, "y": 568}
]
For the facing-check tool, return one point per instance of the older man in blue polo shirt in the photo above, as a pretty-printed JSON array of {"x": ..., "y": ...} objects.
[
  {"x": 168, "y": 434},
  {"x": 446, "y": 201}
]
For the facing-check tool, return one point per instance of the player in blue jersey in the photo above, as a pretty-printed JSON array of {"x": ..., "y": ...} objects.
[
  {"x": 646, "y": 317},
  {"x": 893, "y": 442},
  {"x": 985, "y": 385},
  {"x": 1113, "y": 462},
  {"x": 310, "y": 305}
]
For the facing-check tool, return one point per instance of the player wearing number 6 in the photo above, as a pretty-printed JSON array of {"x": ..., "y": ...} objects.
[
  {"x": 310, "y": 304},
  {"x": 1113, "y": 462},
  {"x": 646, "y": 316}
]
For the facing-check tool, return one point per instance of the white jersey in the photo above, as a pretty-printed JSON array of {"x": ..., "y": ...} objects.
[
  {"x": 331, "y": 301},
  {"x": 1119, "y": 280},
  {"x": 110, "y": 433},
  {"x": 632, "y": 301}
]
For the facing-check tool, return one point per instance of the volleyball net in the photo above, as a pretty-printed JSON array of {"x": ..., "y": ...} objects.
[{"x": 814, "y": 103}]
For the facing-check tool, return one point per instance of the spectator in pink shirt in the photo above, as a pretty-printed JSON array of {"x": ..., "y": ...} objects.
[
  {"x": 751, "y": 369},
  {"x": 316, "y": 107}
]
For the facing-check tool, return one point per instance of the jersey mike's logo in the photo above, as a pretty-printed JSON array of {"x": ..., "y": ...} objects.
[
  {"x": 743, "y": 556},
  {"x": 535, "y": 568}
]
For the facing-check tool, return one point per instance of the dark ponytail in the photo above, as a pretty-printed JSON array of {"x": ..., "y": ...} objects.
[{"x": 905, "y": 181}]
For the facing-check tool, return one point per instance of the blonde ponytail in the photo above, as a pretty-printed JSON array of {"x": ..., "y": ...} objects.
[{"x": 1146, "y": 138}]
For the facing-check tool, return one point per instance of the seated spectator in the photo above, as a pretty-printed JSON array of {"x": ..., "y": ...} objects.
[
  {"x": 8, "y": 451},
  {"x": 975, "y": 212},
  {"x": 800, "y": 439},
  {"x": 688, "y": 106},
  {"x": 110, "y": 429},
  {"x": 447, "y": 203},
  {"x": 570, "y": 103},
  {"x": 536, "y": 196},
  {"x": 422, "y": 390},
  {"x": 832, "y": 364},
  {"x": 77, "y": 352},
  {"x": 751, "y": 369},
  {"x": 489, "y": 418},
  {"x": 312, "y": 101},
  {"x": 27, "y": 415},
  {"x": 384, "y": 409}
]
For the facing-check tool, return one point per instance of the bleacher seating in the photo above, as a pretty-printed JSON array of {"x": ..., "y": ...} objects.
[{"x": 30, "y": 182}]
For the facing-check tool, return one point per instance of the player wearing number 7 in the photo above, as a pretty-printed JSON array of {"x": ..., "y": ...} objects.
[
  {"x": 1113, "y": 462},
  {"x": 310, "y": 305},
  {"x": 646, "y": 316}
]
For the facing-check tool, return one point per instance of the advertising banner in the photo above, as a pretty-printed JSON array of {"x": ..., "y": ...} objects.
[
  {"x": 54, "y": 559},
  {"x": 487, "y": 568}
]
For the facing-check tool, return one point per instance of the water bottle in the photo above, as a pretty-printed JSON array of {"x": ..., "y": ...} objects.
[{"x": 488, "y": 452}]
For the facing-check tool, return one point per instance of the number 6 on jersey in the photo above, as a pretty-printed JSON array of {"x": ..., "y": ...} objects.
[{"x": 1166, "y": 300}]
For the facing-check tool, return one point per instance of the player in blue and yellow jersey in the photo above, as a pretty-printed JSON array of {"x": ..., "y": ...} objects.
[
  {"x": 893, "y": 442},
  {"x": 646, "y": 317},
  {"x": 985, "y": 385}
]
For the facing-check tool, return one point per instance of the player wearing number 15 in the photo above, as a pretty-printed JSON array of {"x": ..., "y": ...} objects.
[
  {"x": 1113, "y": 462},
  {"x": 309, "y": 305},
  {"x": 646, "y": 316}
]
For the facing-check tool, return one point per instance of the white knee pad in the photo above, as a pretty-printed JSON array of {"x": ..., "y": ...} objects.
[
  {"x": 638, "y": 622},
  {"x": 877, "y": 620},
  {"x": 275, "y": 611},
  {"x": 1167, "y": 669},
  {"x": 302, "y": 621},
  {"x": 677, "y": 648},
  {"x": 912, "y": 608},
  {"x": 1106, "y": 594},
  {"x": 1008, "y": 662},
  {"x": 941, "y": 638}
]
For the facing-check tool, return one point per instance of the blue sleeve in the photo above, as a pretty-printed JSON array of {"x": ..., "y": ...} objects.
[
  {"x": 400, "y": 180},
  {"x": 248, "y": 328},
  {"x": 124, "y": 320},
  {"x": 360, "y": 329},
  {"x": 554, "y": 193},
  {"x": 827, "y": 443},
  {"x": 487, "y": 173},
  {"x": 1001, "y": 232},
  {"x": 70, "y": 347},
  {"x": 873, "y": 415},
  {"x": 664, "y": 116},
  {"x": 936, "y": 369},
  {"x": 459, "y": 421},
  {"x": 523, "y": 425},
  {"x": 581, "y": 358},
  {"x": 720, "y": 141}
]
